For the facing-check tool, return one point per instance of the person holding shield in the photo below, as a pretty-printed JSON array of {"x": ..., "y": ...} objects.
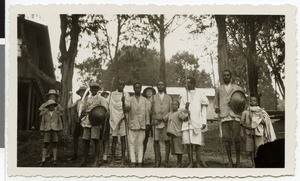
[
  {"x": 195, "y": 104},
  {"x": 90, "y": 131},
  {"x": 230, "y": 121}
]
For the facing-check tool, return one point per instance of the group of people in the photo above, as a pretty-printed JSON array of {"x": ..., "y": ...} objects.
[{"x": 179, "y": 123}]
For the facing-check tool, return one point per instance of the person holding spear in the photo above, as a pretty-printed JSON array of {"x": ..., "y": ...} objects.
[
  {"x": 230, "y": 122},
  {"x": 117, "y": 121},
  {"x": 195, "y": 104}
]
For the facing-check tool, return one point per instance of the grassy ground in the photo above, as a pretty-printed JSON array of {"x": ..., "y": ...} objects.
[{"x": 30, "y": 148}]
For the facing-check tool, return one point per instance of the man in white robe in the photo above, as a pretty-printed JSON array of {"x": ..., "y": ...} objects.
[
  {"x": 117, "y": 103},
  {"x": 195, "y": 104}
]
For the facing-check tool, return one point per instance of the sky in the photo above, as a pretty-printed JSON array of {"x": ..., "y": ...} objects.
[{"x": 179, "y": 40}]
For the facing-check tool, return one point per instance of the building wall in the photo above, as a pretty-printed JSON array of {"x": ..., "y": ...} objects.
[{"x": 32, "y": 87}]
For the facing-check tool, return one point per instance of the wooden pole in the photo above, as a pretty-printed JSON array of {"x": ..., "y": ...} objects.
[
  {"x": 219, "y": 119},
  {"x": 187, "y": 100},
  {"x": 29, "y": 107}
]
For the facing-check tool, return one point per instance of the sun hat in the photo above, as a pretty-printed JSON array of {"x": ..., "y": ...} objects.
[
  {"x": 148, "y": 88},
  {"x": 94, "y": 84},
  {"x": 49, "y": 103},
  {"x": 81, "y": 88},
  {"x": 52, "y": 92}
]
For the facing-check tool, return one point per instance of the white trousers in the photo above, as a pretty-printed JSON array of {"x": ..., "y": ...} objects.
[{"x": 136, "y": 138}]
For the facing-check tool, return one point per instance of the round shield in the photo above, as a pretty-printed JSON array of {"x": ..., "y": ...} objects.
[
  {"x": 97, "y": 115},
  {"x": 238, "y": 102}
]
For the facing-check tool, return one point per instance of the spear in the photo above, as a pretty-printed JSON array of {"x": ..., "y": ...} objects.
[
  {"x": 126, "y": 126},
  {"x": 219, "y": 119},
  {"x": 106, "y": 120},
  {"x": 152, "y": 111},
  {"x": 81, "y": 103},
  {"x": 187, "y": 100}
]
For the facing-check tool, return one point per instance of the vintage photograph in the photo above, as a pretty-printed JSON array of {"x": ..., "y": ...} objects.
[{"x": 150, "y": 90}]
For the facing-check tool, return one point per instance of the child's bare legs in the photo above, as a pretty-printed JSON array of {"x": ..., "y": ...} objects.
[
  {"x": 167, "y": 153},
  {"x": 105, "y": 149},
  {"x": 44, "y": 153},
  {"x": 54, "y": 153}
]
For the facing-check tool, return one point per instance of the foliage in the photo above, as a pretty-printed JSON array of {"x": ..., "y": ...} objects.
[
  {"x": 259, "y": 41},
  {"x": 135, "y": 64},
  {"x": 271, "y": 47},
  {"x": 199, "y": 23},
  {"x": 266, "y": 91},
  {"x": 158, "y": 27},
  {"x": 176, "y": 70},
  {"x": 243, "y": 31}
]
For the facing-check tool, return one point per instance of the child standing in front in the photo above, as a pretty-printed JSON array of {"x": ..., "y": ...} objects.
[
  {"x": 258, "y": 127},
  {"x": 50, "y": 126},
  {"x": 51, "y": 95},
  {"x": 174, "y": 121}
]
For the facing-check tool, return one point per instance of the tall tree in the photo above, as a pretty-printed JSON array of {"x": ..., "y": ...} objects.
[
  {"x": 244, "y": 30},
  {"x": 159, "y": 24},
  {"x": 222, "y": 45},
  {"x": 106, "y": 48},
  {"x": 68, "y": 55},
  {"x": 71, "y": 27}
]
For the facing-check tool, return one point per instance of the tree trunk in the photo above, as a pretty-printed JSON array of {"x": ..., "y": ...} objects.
[
  {"x": 252, "y": 59},
  {"x": 67, "y": 60},
  {"x": 222, "y": 45},
  {"x": 162, "y": 49}
]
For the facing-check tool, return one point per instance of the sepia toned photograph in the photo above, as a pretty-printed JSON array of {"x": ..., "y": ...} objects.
[{"x": 179, "y": 91}]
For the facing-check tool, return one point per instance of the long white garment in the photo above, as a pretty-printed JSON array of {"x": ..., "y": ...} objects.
[
  {"x": 198, "y": 103},
  {"x": 116, "y": 109},
  {"x": 259, "y": 115},
  {"x": 191, "y": 130}
]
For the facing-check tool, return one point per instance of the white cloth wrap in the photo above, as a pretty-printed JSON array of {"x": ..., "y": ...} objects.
[{"x": 198, "y": 105}]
